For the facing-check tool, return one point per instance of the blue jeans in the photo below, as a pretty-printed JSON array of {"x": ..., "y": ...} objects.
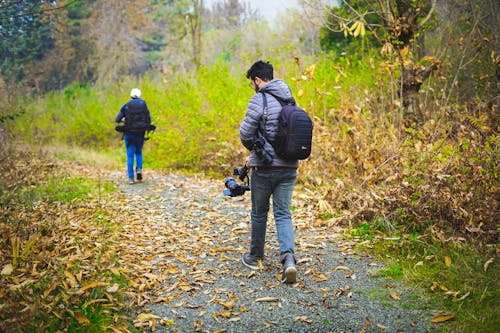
[
  {"x": 279, "y": 184},
  {"x": 133, "y": 144}
]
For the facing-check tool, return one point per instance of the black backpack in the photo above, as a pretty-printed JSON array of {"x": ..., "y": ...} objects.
[
  {"x": 137, "y": 118},
  {"x": 294, "y": 138}
]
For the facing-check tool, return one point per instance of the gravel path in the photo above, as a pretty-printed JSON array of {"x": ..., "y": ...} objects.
[{"x": 195, "y": 239}]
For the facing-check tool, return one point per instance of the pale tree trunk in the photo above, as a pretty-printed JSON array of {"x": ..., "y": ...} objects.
[{"x": 195, "y": 23}]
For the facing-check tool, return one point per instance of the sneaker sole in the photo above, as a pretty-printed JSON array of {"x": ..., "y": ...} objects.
[
  {"x": 290, "y": 275},
  {"x": 249, "y": 266}
]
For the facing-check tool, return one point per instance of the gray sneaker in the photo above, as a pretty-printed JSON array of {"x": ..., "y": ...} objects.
[
  {"x": 289, "y": 274},
  {"x": 250, "y": 261}
]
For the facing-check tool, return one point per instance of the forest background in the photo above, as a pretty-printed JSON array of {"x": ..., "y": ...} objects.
[{"x": 404, "y": 97}]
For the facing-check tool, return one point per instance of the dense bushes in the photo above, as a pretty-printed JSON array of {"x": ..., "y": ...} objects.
[{"x": 440, "y": 173}]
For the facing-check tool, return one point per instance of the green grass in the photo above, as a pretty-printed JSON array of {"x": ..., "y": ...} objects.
[
  {"x": 461, "y": 286},
  {"x": 67, "y": 189}
]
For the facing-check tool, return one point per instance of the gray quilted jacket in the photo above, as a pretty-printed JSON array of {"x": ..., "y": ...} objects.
[{"x": 254, "y": 122}]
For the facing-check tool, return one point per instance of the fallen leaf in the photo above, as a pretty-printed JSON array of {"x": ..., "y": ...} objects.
[
  {"x": 80, "y": 318},
  {"x": 394, "y": 296},
  {"x": 7, "y": 269},
  {"x": 268, "y": 299},
  {"x": 442, "y": 318},
  {"x": 464, "y": 296},
  {"x": 145, "y": 317},
  {"x": 342, "y": 268},
  {"x": 487, "y": 263},
  {"x": 113, "y": 289},
  {"x": 447, "y": 261},
  {"x": 303, "y": 319},
  {"x": 368, "y": 322},
  {"x": 71, "y": 279}
]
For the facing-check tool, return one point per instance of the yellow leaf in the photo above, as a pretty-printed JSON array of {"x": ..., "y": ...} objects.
[
  {"x": 7, "y": 269},
  {"x": 368, "y": 322},
  {"x": 363, "y": 31},
  {"x": 404, "y": 51},
  {"x": 90, "y": 286},
  {"x": 145, "y": 317},
  {"x": 342, "y": 268},
  {"x": 321, "y": 278},
  {"x": 300, "y": 93},
  {"x": 80, "y": 318},
  {"x": 354, "y": 26},
  {"x": 71, "y": 279},
  {"x": 447, "y": 261},
  {"x": 394, "y": 296},
  {"x": 486, "y": 264},
  {"x": 442, "y": 318},
  {"x": 167, "y": 322}
]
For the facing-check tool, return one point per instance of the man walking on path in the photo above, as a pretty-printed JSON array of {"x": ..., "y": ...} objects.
[
  {"x": 137, "y": 120},
  {"x": 276, "y": 178}
]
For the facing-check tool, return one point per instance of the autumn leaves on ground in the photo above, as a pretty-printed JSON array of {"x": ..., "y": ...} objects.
[{"x": 164, "y": 255}]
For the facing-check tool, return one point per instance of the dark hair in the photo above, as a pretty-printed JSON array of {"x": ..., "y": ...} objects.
[{"x": 261, "y": 69}]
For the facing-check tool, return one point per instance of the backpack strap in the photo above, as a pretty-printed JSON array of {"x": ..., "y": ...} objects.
[{"x": 265, "y": 114}]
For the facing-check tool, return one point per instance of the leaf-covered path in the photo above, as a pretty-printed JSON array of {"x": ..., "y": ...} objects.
[{"x": 183, "y": 239}]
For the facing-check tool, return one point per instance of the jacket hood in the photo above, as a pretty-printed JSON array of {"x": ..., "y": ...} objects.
[{"x": 280, "y": 89}]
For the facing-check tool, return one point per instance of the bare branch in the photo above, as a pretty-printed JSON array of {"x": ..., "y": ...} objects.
[
  {"x": 37, "y": 12},
  {"x": 428, "y": 14}
]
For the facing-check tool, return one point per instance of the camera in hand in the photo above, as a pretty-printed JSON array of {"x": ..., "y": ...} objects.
[
  {"x": 233, "y": 188},
  {"x": 258, "y": 148}
]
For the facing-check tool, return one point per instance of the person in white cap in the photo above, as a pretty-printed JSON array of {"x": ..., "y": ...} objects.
[{"x": 137, "y": 118}]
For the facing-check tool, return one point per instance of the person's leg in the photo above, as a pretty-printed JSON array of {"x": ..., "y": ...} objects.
[
  {"x": 260, "y": 189},
  {"x": 138, "y": 157},
  {"x": 282, "y": 197},
  {"x": 130, "y": 148}
]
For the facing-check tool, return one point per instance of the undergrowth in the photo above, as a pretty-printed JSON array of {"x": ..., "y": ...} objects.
[
  {"x": 52, "y": 221},
  {"x": 459, "y": 280}
]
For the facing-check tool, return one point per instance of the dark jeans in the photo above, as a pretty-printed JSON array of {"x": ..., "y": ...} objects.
[{"x": 279, "y": 184}]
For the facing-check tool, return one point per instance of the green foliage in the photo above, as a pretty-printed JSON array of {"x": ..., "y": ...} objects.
[
  {"x": 463, "y": 284},
  {"x": 24, "y": 36}
]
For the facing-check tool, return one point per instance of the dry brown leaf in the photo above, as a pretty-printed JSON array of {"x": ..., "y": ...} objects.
[
  {"x": 303, "y": 319},
  {"x": 464, "y": 296},
  {"x": 321, "y": 278},
  {"x": 268, "y": 299},
  {"x": 394, "y": 296},
  {"x": 442, "y": 318},
  {"x": 91, "y": 285},
  {"x": 487, "y": 263},
  {"x": 113, "y": 289},
  {"x": 71, "y": 279},
  {"x": 7, "y": 269},
  {"x": 368, "y": 321},
  {"x": 342, "y": 268},
  {"x": 115, "y": 270},
  {"x": 80, "y": 318}
]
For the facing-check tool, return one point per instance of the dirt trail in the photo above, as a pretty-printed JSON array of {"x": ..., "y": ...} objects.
[{"x": 191, "y": 238}]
